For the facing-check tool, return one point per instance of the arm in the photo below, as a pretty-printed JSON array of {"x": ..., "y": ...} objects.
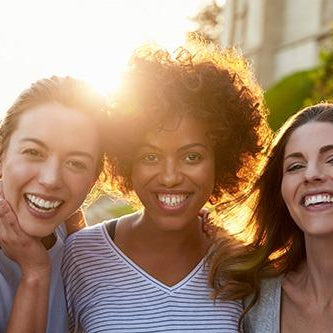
[{"x": 30, "y": 306}]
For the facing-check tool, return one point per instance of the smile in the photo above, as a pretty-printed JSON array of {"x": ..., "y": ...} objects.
[
  {"x": 317, "y": 199},
  {"x": 172, "y": 200},
  {"x": 40, "y": 204}
]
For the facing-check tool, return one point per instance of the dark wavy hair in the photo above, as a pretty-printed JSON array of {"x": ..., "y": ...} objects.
[
  {"x": 277, "y": 245},
  {"x": 213, "y": 85}
]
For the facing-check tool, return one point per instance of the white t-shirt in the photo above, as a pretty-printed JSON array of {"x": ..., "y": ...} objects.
[{"x": 107, "y": 292}]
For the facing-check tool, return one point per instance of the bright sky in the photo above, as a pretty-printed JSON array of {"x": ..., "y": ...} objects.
[{"x": 88, "y": 39}]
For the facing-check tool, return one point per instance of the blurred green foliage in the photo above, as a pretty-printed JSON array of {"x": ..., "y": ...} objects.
[
  {"x": 120, "y": 210},
  {"x": 301, "y": 89},
  {"x": 287, "y": 96},
  {"x": 322, "y": 78}
]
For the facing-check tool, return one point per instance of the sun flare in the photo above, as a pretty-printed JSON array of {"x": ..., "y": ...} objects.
[{"x": 90, "y": 40}]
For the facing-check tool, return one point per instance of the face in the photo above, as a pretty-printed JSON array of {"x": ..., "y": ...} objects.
[
  {"x": 173, "y": 173},
  {"x": 49, "y": 166},
  {"x": 307, "y": 184}
]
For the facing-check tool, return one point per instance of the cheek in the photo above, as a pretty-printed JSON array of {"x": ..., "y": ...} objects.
[
  {"x": 289, "y": 188},
  {"x": 206, "y": 175},
  {"x": 141, "y": 175},
  {"x": 285, "y": 191},
  {"x": 14, "y": 177},
  {"x": 81, "y": 186}
]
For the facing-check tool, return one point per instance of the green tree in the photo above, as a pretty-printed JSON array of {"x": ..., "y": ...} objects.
[
  {"x": 322, "y": 78},
  {"x": 287, "y": 96}
]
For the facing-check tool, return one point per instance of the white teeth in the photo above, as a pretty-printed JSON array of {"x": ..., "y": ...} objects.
[
  {"x": 317, "y": 199},
  {"x": 172, "y": 200},
  {"x": 41, "y": 204}
]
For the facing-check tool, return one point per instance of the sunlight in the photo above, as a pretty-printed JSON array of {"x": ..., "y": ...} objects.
[{"x": 90, "y": 40}]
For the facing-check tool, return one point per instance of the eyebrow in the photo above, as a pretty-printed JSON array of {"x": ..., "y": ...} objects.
[
  {"x": 295, "y": 155},
  {"x": 322, "y": 150},
  {"x": 42, "y": 144},
  {"x": 191, "y": 145},
  {"x": 325, "y": 149},
  {"x": 188, "y": 146}
]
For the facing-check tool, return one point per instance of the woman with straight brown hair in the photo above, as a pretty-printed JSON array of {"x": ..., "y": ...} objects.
[{"x": 285, "y": 271}]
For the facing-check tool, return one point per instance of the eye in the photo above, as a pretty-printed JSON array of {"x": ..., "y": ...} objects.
[
  {"x": 77, "y": 165},
  {"x": 32, "y": 152},
  {"x": 294, "y": 167},
  {"x": 193, "y": 157},
  {"x": 330, "y": 160},
  {"x": 149, "y": 158}
]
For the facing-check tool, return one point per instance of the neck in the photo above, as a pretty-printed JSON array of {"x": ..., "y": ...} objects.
[
  {"x": 169, "y": 240},
  {"x": 318, "y": 269}
]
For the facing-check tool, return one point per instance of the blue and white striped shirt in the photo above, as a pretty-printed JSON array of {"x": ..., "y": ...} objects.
[{"x": 108, "y": 292}]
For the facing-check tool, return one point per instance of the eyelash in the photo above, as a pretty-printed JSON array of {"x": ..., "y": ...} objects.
[
  {"x": 36, "y": 154},
  {"x": 147, "y": 158},
  {"x": 294, "y": 167},
  {"x": 32, "y": 152},
  {"x": 77, "y": 165},
  {"x": 189, "y": 157}
]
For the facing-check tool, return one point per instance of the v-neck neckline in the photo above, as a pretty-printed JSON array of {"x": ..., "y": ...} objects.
[{"x": 129, "y": 262}]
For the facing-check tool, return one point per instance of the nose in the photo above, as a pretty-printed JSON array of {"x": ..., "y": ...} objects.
[
  {"x": 170, "y": 174},
  {"x": 50, "y": 175},
  {"x": 313, "y": 173}
]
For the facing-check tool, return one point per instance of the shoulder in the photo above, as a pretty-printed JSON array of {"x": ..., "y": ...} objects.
[
  {"x": 264, "y": 315},
  {"x": 84, "y": 240},
  {"x": 85, "y": 233},
  {"x": 82, "y": 248}
]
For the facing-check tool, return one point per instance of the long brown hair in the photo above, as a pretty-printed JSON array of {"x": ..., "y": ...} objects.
[{"x": 277, "y": 244}]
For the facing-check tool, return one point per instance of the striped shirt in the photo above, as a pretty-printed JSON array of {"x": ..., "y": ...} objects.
[{"x": 107, "y": 292}]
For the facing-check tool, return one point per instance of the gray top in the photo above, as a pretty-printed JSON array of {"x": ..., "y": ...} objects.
[
  {"x": 264, "y": 316},
  {"x": 10, "y": 276}
]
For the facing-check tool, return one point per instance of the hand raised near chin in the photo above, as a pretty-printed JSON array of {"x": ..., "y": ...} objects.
[
  {"x": 208, "y": 226},
  {"x": 27, "y": 251}
]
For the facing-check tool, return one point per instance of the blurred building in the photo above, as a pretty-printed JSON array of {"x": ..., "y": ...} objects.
[{"x": 279, "y": 36}]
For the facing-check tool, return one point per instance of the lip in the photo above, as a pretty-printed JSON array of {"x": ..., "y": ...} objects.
[
  {"x": 39, "y": 213},
  {"x": 44, "y": 196},
  {"x": 320, "y": 207},
  {"x": 314, "y": 192},
  {"x": 175, "y": 208}
]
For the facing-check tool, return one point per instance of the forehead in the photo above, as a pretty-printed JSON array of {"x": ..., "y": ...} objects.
[
  {"x": 310, "y": 137},
  {"x": 53, "y": 115},
  {"x": 57, "y": 125},
  {"x": 179, "y": 131}
]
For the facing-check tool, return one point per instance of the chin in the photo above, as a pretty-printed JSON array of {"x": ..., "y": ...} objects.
[{"x": 37, "y": 231}]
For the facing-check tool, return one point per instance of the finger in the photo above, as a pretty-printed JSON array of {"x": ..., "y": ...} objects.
[
  {"x": 1, "y": 190},
  {"x": 4, "y": 207},
  {"x": 8, "y": 218},
  {"x": 204, "y": 213},
  {"x": 2, "y": 235}
]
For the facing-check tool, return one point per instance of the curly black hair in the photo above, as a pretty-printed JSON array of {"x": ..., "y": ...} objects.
[{"x": 213, "y": 85}]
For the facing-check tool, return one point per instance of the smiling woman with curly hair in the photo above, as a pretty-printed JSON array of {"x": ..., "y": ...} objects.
[
  {"x": 186, "y": 128},
  {"x": 215, "y": 87}
]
